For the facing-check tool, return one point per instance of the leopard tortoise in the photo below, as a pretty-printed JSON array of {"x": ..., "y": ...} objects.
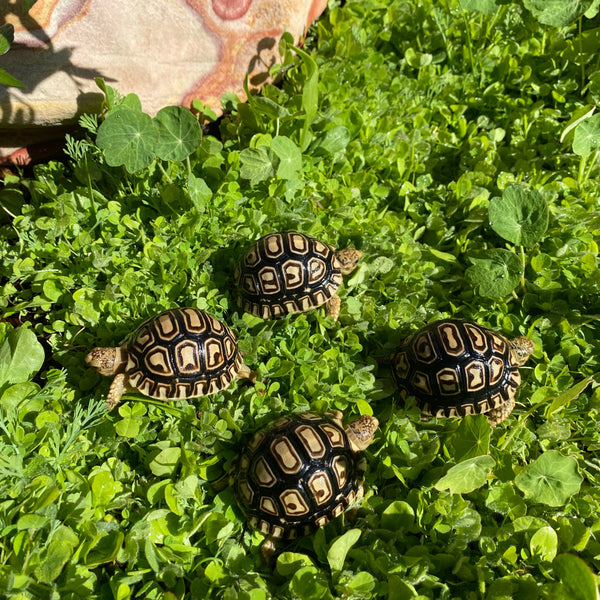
[
  {"x": 454, "y": 367},
  {"x": 178, "y": 354},
  {"x": 289, "y": 272},
  {"x": 301, "y": 471}
]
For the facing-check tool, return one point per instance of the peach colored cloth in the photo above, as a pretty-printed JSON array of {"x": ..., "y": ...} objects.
[{"x": 166, "y": 51}]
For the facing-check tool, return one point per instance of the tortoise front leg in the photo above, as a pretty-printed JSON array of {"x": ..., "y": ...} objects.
[
  {"x": 333, "y": 306},
  {"x": 117, "y": 388}
]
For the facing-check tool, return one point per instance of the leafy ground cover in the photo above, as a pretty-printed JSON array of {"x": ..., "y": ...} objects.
[{"x": 455, "y": 144}]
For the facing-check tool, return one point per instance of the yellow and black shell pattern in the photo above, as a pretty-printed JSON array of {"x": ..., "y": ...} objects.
[
  {"x": 287, "y": 272},
  {"x": 455, "y": 368},
  {"x": 296, "y": 475},
  {"x": 182, "y": 353}
]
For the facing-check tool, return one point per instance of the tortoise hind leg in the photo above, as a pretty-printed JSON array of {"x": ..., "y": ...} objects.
[
  {"x": 500, "y": 413},
  {"x": 268, "y": 548},
  {"x": 333, "y": 307},
  {"x": 245, "y": 372}
]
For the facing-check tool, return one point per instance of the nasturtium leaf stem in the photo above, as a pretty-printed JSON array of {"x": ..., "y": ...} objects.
[
  {"x": 591, "y": 165},
  {"x": 90, "y": 190},
  {"x": 581, "y": 61},
  {"x": 164, "y": 172},
  {"x": 469, "y": 42},
  {"x": 523, "y": 259}
]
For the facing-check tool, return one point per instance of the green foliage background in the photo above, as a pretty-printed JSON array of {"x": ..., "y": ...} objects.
[{"x": 455, "y": 144}]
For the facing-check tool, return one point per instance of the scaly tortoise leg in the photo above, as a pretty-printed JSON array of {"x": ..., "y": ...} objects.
[
  {"x": 117, "y": 388},
  {"x": 333, "y": 307},
  {"x": 245, "y": 372},
  {"x": 268, "y": 549}
]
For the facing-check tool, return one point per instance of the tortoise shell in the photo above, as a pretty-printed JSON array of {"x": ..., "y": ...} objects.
[
  {"x": 297, "y": 474},
  {"x": 453, "y": 367},
  {"x": 287, "y": 272},
  {"x": 182, "y": 353}
]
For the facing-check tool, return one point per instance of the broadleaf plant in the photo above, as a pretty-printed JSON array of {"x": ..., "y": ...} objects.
[{"x": 520, "y": 216}]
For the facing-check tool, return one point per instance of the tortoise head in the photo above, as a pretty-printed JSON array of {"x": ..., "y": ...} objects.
[
  {"x": 107, "y": 361},
  {"x": 361, "y": 432},
  {"x": 523, "y": 348},
  {"x": 348, "y": 258}
]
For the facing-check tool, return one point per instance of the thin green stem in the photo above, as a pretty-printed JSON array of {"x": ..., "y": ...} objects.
[
  {"x": 581, "y": 170},
  {"x": 581, "y": 63},
  {"x": 164, "y": 172},
  {"x": 90, "y": 189},
  {"x": 591, "y": 166},
  {"x": 523, "y": 263},
  {"x": 469, "y": 42}
]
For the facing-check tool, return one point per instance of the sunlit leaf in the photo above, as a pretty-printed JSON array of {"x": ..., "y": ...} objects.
[
  {"x": 519, "y": 216},
  {"x": 558, "y": 13},
  {"x": 128, "y": 138},
  {"x": 290, "y": 157},
  {"x": 576, "y": 576},
  {"x": 484, "y": 6},
  {"x": 551, "y": 479},
  {"x": 472, "y": 438},
  {"x": 562, "y": 399},
  {"x": 587, "y": 136},
  {"x": 495, "y": 273},
  {"x": 398, "y": 515},
  {"x": 339, "y": 548},
  {"x": 544, "y": 543},
  {"x": 179, "y": 133},
  {"x": 21, "y": 356},
  {"x": 467, "y": 475},
  {"x": 7, "y": 35},
  {"x": 8, "y": 80},
  {"x": 256, "y": 164}
]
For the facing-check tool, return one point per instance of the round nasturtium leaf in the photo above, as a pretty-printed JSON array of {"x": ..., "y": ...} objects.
[
  {"x": 587, "y": 136},
  {"x": 496, "y": 273},
  {"x": 519, "y": 216},
  {"x": 471, "y": 438},
  {"x": 179, "y": 133},
  {"x": 128, "y": 137},
  {"x": 551, "y": 479},
  {"x": 484, "y": 6},
  {"x": 557, "y": 13},
  {"x": 467, "y": 475},
  {"x": 576, "y": 576},
  {"x": 256, "y": 164},
  {"x": 21, "y": 356}
]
